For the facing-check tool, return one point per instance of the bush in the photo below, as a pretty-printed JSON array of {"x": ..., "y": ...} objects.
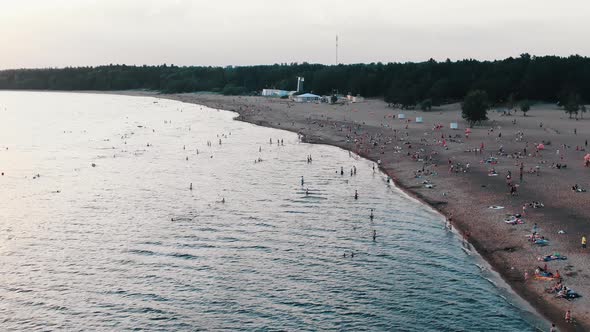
[{"x": 232, "y": 90}]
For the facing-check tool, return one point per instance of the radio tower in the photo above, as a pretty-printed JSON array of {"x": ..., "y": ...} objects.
[{"x": 336, "y": 49}]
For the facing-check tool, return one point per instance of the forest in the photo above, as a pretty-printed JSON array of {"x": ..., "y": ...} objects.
[{"x": 526, "y": 77}]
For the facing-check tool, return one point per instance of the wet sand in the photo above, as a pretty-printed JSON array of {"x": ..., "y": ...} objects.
[{"x": 374, "y": 131}]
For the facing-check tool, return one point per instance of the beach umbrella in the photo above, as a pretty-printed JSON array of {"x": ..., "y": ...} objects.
[
  {"x": 468, "y": 131},
  {"x": 541, "y": 146},
  {"x": 587, "y": 157}
]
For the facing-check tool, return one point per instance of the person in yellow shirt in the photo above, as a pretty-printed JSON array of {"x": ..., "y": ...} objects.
[{"x": 584, "y": 241}]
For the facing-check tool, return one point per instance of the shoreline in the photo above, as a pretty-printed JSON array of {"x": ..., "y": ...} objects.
[
  {"x": 529, "y": 292},
  {"x": 495, "y": 242}
]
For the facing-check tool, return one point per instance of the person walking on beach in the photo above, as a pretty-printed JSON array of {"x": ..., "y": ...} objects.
[
  {"x": 583, "y": 241},
  {"x": 568, "y": 316}
]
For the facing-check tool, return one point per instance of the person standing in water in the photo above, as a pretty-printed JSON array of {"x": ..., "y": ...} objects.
[
  {"x": 374, "y": 235},
  {"x": 356, "y": 194},
  {"x": 307, "y": 192},
  {"x": 191, "y": 186},
  {"x": 302, "y": 181},
  {"x": 341, "y": 170},
  {"x": 371, "y": 216}
]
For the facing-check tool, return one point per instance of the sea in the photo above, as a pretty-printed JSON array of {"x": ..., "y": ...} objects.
[{"x": 125, "y": 213}]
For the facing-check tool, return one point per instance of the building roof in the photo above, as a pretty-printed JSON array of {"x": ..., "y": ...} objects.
[{"x": 308, "y": 95}]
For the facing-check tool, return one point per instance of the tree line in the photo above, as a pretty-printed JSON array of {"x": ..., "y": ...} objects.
[{"x": 545, "y": 78}]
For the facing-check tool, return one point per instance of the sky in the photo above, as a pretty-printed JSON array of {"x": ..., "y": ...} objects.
[{"x": 59, "y": 33}]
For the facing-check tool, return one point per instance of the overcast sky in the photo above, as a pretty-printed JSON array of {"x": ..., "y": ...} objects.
[{"x": 57, "y": 33}]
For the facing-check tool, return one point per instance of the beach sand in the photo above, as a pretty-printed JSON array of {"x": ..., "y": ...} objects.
[{"x": 466, "y": 196}]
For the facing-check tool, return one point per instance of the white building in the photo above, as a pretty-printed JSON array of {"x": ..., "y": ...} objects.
[
  {"x": 307, "y": 98},
  {"x": 355, "y": 99},
  {"x": 274, "y": 93}
]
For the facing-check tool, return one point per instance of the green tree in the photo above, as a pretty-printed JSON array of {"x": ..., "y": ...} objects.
[
  {"x": 572, "y": 106},
  {"x": 582, "y": 110},
  {"x": 525, "y": 106},
  {"x": 426, "y": 104},
  {"x": 511, "y": 102},
  {"x": 475, "y": 107}
]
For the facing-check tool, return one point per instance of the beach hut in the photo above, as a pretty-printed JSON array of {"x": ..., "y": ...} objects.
[
  {"x": 419, "y": 119},
  {"x": 307, "y": 98},
  {"x": 401, "y": 116},
  {"x": 454, "y": 125}
]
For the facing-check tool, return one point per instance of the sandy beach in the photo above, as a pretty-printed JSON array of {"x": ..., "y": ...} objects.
[{"x": 448, "y": 170}]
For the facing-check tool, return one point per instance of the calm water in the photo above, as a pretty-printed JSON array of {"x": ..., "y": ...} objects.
[{"x": 126, "y": 245}]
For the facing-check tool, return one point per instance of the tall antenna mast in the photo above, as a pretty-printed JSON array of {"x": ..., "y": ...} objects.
[{"x": 336, "y": 49}]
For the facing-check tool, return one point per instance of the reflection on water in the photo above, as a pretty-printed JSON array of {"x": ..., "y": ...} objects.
[{"x": 126, "y": 244}]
